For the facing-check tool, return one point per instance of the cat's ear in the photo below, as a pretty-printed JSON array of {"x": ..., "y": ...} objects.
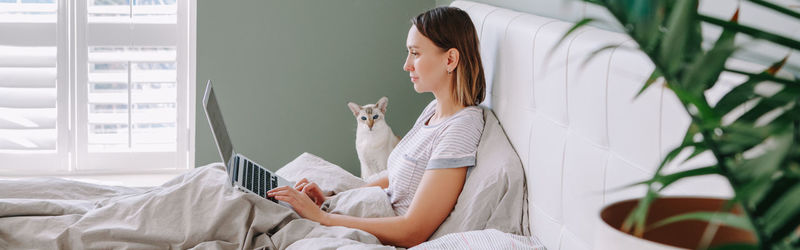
[
  {"x": 382, "y": 104},
  {"x": 354, "y": 107}
]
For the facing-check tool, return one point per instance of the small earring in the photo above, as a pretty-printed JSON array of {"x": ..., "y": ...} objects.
[{"x": 449, "y": 72}]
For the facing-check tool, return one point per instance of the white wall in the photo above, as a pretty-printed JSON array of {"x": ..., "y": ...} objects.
[{"x": 750, "y": 14}]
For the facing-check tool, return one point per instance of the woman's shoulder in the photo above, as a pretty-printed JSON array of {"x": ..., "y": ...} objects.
[{"x": 469, "y": 117}]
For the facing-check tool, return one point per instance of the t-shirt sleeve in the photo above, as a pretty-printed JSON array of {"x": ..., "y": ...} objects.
[{"x": 457, "y": 145}]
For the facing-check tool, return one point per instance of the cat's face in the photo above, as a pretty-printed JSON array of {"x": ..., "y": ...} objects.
[{"x": 370, "y": 114}]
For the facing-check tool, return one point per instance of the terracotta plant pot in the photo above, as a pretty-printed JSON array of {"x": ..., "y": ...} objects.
[{"x": 684, "y": 234}]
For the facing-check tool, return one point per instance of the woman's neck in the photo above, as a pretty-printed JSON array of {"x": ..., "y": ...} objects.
[{"x": 447, "y": 105}]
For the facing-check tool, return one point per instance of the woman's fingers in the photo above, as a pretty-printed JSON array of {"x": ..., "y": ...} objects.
[
  {"x": 301, "y": 203},
  {"x": 315, "y": 193},
  {"x": 300, "y": 186},
  {"x": 277, "y": 189},
  {"x": 301, "y": 182},
  {"x": 308, "y": 192}
]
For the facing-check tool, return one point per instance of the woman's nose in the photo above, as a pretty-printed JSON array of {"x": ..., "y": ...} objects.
[{"x": 407, "y": 66}]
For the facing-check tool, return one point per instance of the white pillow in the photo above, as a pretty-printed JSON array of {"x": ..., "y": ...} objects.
[
  {"x": 331, "y": 178},
  {"x": 494, "y": 194}
]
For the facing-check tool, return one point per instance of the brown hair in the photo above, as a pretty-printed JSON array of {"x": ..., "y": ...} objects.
[{"x": 450, "y": 27}]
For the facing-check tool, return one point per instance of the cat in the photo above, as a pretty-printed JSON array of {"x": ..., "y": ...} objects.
[{"x": 374, "y": 138}]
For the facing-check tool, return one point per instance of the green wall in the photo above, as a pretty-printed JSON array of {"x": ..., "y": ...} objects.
[{"x": 283, "y": 71}]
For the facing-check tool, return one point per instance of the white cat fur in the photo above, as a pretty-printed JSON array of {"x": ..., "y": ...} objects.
[{"x": 374, "y": 138}]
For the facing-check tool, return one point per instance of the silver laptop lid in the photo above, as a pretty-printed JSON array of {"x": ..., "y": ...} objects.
[{"x": 214, "y": 115}]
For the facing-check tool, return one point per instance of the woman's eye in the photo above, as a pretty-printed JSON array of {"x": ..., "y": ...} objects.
[
  {"x": 363, "y": 118},
  {"x": 375, "y": 117}
]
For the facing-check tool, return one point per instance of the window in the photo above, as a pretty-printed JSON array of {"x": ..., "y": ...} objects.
[{"x": 93, "y": 86}]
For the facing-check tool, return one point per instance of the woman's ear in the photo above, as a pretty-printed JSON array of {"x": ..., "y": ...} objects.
[{"x": 452, "y": 59}]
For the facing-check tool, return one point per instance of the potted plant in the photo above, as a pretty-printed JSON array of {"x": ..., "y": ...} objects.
[{"x": 757, "y": 151}]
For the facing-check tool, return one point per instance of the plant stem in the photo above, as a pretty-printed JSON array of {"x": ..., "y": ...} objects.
[{"x": 763, "y": 240}]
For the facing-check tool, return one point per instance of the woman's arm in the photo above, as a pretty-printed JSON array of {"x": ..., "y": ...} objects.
[
  {"x": 434, "y": 200},
  {"x": 382, "y": 182},
  {"x": 315, "y": 193}
]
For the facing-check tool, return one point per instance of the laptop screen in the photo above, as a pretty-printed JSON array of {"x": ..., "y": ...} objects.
[{"x": 217, "y": 124}]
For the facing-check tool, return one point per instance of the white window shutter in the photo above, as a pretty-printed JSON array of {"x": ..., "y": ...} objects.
[{"x": 111, "y": 96}]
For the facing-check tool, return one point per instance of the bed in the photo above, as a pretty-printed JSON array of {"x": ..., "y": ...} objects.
[{"x": 561, "y": 133}]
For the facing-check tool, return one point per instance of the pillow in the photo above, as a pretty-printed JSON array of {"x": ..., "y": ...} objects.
[
  {"x": 331, "y": 179},
  {"x": 483, "y": 239},
  {"x": 494, "y": 193}
]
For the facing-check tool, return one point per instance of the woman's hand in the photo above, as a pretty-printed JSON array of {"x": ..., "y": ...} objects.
[
  {"x": 312, "y": 190},
  {"x": 301, "y": 203}
]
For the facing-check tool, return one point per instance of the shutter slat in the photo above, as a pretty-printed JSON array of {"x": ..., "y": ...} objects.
[
  {"x": 155, "y": 56},
  {"x": 154, "y": 75},
  {"x": 163, "y": 116},
  {"x": 28, "y": 34},
  {"x": 28, "y": 77},
  {"x": 155, "y": 97},
  {"x": 33, "y": 139},
  {"x": 108, "y": 77},
  {"x": 27, "y": 118},
  {"x": 16, "y": 56},
  {"x": 160, "y": 76},
  {"x": 27, "y": 97},
  {"x": 138, "y": 34}
]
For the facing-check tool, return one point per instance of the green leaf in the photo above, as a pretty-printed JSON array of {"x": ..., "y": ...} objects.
[
  {"x": 742, "y": 135},
  {"x": 776, "y": 190},
  {"x": 704, "y": 111},
  {"x": 767, "y": 163},
  {"x": 790, "y": 115},
  {"x": 768, "y": 104},
  {"x": 637, "y": 218},
  {"x": 653, "y": 77},
  {"x": 575, "y": 27},
  {"x": 783, "y": 218},
  {"x": 705, "y": 70},
  {"x": 725, "y": 218},
  {"x": 746, "y": 90},
  {"x": 777, "y": 8},
  {"x": 640, "y": 19},
  {"x": 597, "y": 52},
  {"x": 764, "y": 77},
  {"x": 753, "y": 32},
  {"x": 676, "y": 39},
  {"x": 666, "y": 180},
  {"x": 687, "y": 142}
]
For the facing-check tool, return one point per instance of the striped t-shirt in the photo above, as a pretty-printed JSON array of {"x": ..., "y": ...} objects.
[{"x": 451, "y": 143}]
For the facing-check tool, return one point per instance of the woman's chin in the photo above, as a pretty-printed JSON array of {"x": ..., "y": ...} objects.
[{"x": 416, "y": 88}]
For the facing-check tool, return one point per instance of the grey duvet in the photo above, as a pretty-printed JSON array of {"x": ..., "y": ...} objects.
[{"x": 197, "y": 210}]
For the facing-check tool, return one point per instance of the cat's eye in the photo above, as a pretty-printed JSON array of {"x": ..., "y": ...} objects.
[
  {"x": 375, "y": 117},
  {"x": 363, "y": 118}
]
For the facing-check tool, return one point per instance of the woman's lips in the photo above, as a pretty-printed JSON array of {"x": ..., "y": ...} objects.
[{"x": 414, "y": 79}]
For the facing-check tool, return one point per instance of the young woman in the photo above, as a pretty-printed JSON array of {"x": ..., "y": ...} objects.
[{"x": 428, "y": 167}]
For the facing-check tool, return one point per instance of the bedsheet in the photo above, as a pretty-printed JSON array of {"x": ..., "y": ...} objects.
[{"x": 197, "y": 210}]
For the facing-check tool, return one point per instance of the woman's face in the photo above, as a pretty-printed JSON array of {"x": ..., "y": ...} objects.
[{"x": 426, "y": 63}]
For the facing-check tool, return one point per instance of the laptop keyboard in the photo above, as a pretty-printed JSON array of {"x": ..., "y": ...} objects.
[{"x": 255, "y": 178}]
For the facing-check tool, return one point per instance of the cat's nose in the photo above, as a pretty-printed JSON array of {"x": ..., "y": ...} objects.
[{"x": 369, "y": 123}]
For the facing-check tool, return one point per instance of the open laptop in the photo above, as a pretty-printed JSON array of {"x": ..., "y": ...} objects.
[{"x": 244, "y": 174}]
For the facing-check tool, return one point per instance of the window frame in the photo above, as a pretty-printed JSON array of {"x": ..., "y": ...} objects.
[{"x": 71, "y": 156}]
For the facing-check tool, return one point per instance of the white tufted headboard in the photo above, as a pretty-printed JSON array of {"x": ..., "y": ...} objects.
[{"x": 577, "y": 127}]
